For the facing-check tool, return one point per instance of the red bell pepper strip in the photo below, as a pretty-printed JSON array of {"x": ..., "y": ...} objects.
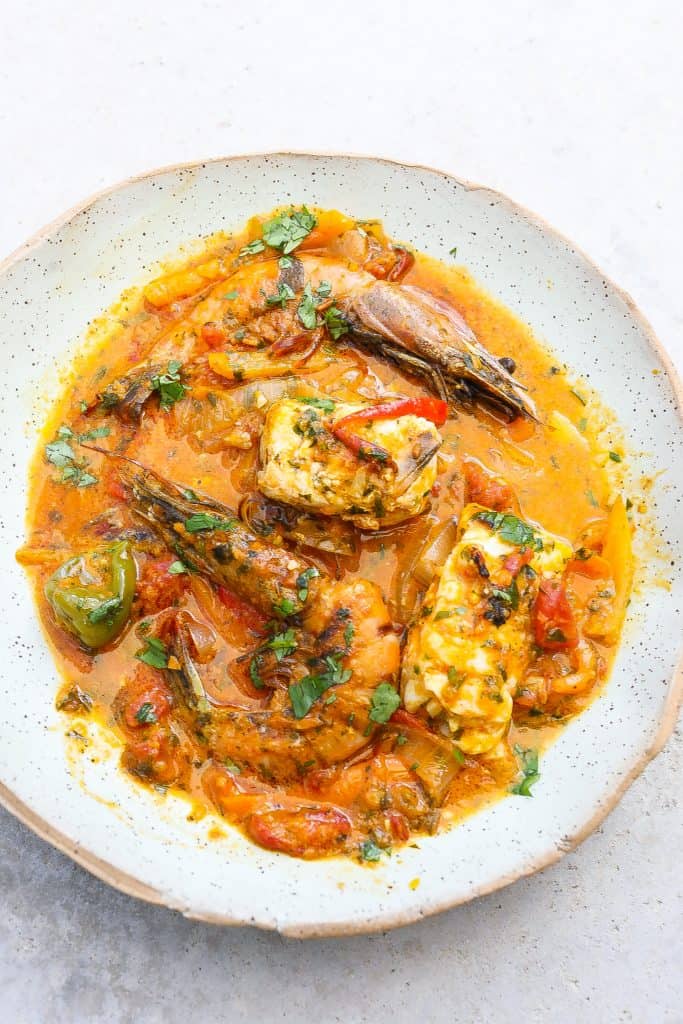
[{"x": 428, "y": 408}]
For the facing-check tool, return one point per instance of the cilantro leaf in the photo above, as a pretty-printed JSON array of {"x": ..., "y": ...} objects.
[
  {"x": 370, "y": 851},
  {"x": 335, "y": 322},
  {"x": 59, "y": 453},
  {"x": 154, "y": 653},
  {"x": 307, "y": 691},
  {"x": 511, "y": 529},
  {"x": 145, "y": 714},
  {"x": 286, "y": 231},
  {"x": 385, "y": 700},
  {"x": 177, "y": 567},
  {"x": 282, "y": 644},
  {"x": 203, "y": 521},
  {"x": 326, "y": 404},
  {"x": 528, "y": 758},
  {"x": 281, "y": 297},
  {"x": 306, "y": 310},
  {"x": 106, "y": 610},
  {"x": 303, "y": 581},
  {"x": 251, "y": 248},
  {"x": 169, "y": 385}
]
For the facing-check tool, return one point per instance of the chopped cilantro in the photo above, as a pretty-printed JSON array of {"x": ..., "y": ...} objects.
[
  {"x": 254, "y": 674},
  {"x": 105, "y": 611},
  {"x": 177, "y": 568},
  {"x": 203, "y": 521},
  {"x": 231, "y": 295},
  {"x": 281, "y": 297},
  {"x": 335, "y": 322},
  {"x": 169, "y": 385},
  {"x": 285, "y": 607},
  {"x": 326, "y": 404},
  {"x": 286, "y": 231},
  {"x": 370, "y": 851},
  {"x": 303, "y": 581},
  {"x": 528, "y": 759},
  {"x": 282, "y": 644},
  {"x": 385, "y": 700},
  {"x": 445, "y": 613},
  {"x": 453, "y": 251},
  {"x": 308, "y": 690},
  {"x": 154, "y": 653},
  {"x": 251, "y": 248},
  {"x": 145, "y": 714},
  {"x": 615, "y": 456},
  {"x": 511, "y": 529},
  {"x": 306, "y": 310}
]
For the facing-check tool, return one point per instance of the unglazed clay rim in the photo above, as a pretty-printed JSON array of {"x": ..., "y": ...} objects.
[{"x": 132, "y": 886}]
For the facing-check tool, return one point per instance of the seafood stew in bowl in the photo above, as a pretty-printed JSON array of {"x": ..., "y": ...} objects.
[{"x": 328, "y": 539}]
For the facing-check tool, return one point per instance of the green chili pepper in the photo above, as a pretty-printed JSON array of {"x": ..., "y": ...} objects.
[{"x": 91, "y": 594}]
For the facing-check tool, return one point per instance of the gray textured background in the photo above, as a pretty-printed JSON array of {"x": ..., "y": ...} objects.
[{"x": 573, "y": 109}]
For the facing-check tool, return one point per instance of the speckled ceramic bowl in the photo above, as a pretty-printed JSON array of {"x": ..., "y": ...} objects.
[{"x": 49, "y": 291}]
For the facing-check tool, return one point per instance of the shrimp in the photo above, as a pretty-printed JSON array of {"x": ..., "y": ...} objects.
[
  {"x": 335, "y": 636},
  {"x": 279, "y": 311}
]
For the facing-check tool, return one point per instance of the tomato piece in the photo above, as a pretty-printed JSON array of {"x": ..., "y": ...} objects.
[
  {"x": 157, "y": 588},
  {"x": 214, "y": 335},
  {"x": 243, "y": 612},
  {"x": 154, "y": 756},
  {"x": 405, "y": 718},
  {"x": 400, "y": 829},
  {"x": 301, "y": 831},
  {"x": 483, "y": 488},
  {"x": 144, "y": 700},
  {"x": 514, "y": 562},
  {"x": 554, "y": 625},
  {"x": 116, "y": 489}
]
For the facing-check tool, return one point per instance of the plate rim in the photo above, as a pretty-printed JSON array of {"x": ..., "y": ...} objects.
[{"x": 132, "y": 886}]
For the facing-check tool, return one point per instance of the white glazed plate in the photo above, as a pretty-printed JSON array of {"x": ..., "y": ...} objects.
[{"x": 73, "y": 270}]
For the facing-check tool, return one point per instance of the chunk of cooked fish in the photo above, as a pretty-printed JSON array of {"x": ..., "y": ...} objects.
[
  {"x": 468, "y": 651},
  {"x": 303, "y": 464}
]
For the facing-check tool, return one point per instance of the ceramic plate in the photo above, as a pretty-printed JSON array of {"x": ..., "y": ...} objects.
[{"x": 74, "y": 269}]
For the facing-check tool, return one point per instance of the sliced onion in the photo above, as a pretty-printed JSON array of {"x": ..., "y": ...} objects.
[{"x": 438, "y": 547}]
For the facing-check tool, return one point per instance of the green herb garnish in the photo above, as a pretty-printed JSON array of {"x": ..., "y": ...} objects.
[
  {"x": 511, "y": 529},
  {"x": 326, "y": 404},
  {"x": 370, "y": 851},
  {"x": 169, "y": 385},
  {"x": 154, "y": 653},
  {"x": 281, "y": 297},
  {"x": 203, "y": 521},
  {"x": 528, "y": 758},
  {"x": 288, "y": 230},
  {"x": 335, "y": 322},
  {"x": 177, "y": 568},
  {"x": 303, "y": 581},
  {"x": 308, "y": 690},
  {"x": 307, "y": 309},
  {"x": 282, "y": 644},
  {"x": 385, "y": 701},
  {"x": 106, "y": 610},
  {"x": 146, "y": 714},
  {"x": 251, "y": 248}
]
